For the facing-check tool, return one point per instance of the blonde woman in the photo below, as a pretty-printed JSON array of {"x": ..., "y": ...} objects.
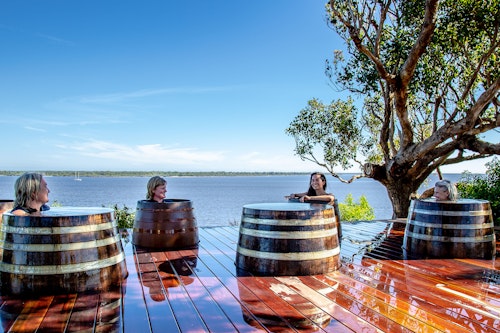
[
  {"x": 32, "y": 194},
  {"x": 157, "y": 189}
]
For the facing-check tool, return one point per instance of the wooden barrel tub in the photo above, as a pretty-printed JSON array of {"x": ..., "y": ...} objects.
[
  {"x": 166, "y": 225},
  {"x": 449, "y": 229},
  {"x": 62, "y": 250},
  {"x": 279, "y": 239},
  {"x": 335, "y": 210}
]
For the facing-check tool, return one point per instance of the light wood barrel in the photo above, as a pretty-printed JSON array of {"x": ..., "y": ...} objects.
[
  {"x": 165, "y": 225},
  {"x": 63, "y": 250},
  {"x": 449, "y": 229},
  {"x": 288, "y": 239}
]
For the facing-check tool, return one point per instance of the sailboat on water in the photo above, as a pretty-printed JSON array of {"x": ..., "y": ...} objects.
[{"x": 77, "y": 177}]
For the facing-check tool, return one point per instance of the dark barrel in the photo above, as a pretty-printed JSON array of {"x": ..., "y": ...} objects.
[
  {"x": 63, "y": 250},
  {"x": 279, "y": 239},
  {"x": 165, "y": 225},
  {"x": 335, "y": 210},
  {"x": 449, "y": 229}
]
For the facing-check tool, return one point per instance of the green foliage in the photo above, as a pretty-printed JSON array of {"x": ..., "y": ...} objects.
[
  {"x": 124, "y": 217},
  {"x": 55, "y": 203},
  {"x": 485, "y": 188},
  {"x": 334, "y": 128},
  {"x": 424, "y": 78},
  {"x": 356, "y": 211}
]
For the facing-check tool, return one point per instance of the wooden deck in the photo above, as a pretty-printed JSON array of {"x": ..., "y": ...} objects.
[{"x": 375, "y": 290}]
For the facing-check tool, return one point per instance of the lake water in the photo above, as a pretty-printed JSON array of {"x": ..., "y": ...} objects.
[{"x": 217, "y": 201}]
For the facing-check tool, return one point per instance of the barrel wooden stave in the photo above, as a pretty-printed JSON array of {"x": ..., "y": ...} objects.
[
  {"x": 288, "y": 242},
  {"x": 167, "y": 225},
  {"x": 450, "y": 229},
  {"x": 336, "y": 212},
  {"x": 49, "y": 254}
]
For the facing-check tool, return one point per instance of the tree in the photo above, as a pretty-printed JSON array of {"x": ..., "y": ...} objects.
[
  {"x": 428, "y": 73},
  {"x": 483, "y": 187}
]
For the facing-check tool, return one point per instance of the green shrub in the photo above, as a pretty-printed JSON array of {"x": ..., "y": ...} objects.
[
  {"x": 124, "y": 217},
  {"x": 483, "y": 187},
  {"x": 356, "y": 211}
]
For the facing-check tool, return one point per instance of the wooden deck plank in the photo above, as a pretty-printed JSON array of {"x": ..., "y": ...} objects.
[
  {"x": 179, "y": 300},
  {"x": 135, "y": 316},
  {"x": 183, "y": 264},
  {"x": 397, "y": 305},
  {"x": 58, "y": 314},
  {"x": 222, "y": 284},
  {"x": 84, "y": 313},
  {"x": 155, "y": 287},
  {"x": 342, "y": 318},
  {"x": 223, "y": 247},
  {"x": 422, "y": 289},
  {"x": 32, "y": 314},
  {"x": 443, "y": 273},
  {"x": 229, "y": 263},
  {"x": 413, "y": 291}
]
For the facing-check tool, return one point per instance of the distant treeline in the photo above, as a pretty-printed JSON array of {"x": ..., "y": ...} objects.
[{"x": 150, "y": 173}]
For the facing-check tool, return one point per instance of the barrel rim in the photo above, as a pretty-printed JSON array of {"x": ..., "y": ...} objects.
[
  {"x": 460, "y": 201},
  {"x": 165, "y": 203},
  {"x": 287, "y": 206},
  {"x": 67, "y": 211}
]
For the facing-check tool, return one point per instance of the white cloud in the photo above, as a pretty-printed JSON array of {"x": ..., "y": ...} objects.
[{"x": 151, "y": 154}]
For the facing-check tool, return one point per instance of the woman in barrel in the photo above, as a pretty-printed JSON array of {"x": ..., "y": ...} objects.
[
  {"x": 317, "y": 191},
  {"x": 32, "y": 194},
  {"x": 157, "y": 189},
  {"x": 445, "y": 190}
]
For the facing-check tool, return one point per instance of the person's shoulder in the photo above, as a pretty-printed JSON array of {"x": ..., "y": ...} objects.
[{"x": 19, "y": 212}]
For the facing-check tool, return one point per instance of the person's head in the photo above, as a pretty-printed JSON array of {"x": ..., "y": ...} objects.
[
  {"x": 317, "y": 182},
  {"x": 31, "y": 189},
  {"x": 157, "y": 187},
  {"x": 445, "y": 190}
]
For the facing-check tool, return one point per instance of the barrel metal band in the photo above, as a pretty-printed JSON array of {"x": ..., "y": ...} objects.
[
  {"x": 56, "y": 230},
  {"x": 445, "y": 239},
  {"x": 62, "y": 269},
  {"x": 291, "y": 222},
  {"x": 289, "y": 256},
  {"x": 453, "y": 213},
  {"x": 289, "y": 234},
  {"x": 453, "y": 226},
  {"x": 163, "y": 231},
  {"x": 59, "y": 247},
  {"x": 154, "y": 210}
]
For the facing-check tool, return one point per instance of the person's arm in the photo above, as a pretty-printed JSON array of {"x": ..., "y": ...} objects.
[
  {"x": 326, "y": 198},
  {"x": 295, "y": 195}
]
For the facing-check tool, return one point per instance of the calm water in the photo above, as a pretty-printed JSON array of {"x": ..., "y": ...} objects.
[{"x": 216, "y": 200}]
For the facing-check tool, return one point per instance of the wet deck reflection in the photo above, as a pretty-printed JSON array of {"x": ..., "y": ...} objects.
[{"x": 199, "y": 290}]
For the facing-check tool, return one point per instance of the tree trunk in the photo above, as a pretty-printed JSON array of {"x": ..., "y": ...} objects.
[{"x": 400, "y": 192}]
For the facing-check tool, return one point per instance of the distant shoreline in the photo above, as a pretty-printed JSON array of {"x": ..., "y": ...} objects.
[
  {"x": 152, "y": 173},
  {"x": 50, "y": 173}
]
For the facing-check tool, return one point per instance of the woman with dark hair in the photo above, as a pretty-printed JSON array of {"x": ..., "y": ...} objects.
[
  {"x": 32, "y": 194},
  {"x": 316, "y": 192}
]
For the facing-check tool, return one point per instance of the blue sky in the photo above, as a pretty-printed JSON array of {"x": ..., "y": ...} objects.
[{"x": 160, "y": 85}]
